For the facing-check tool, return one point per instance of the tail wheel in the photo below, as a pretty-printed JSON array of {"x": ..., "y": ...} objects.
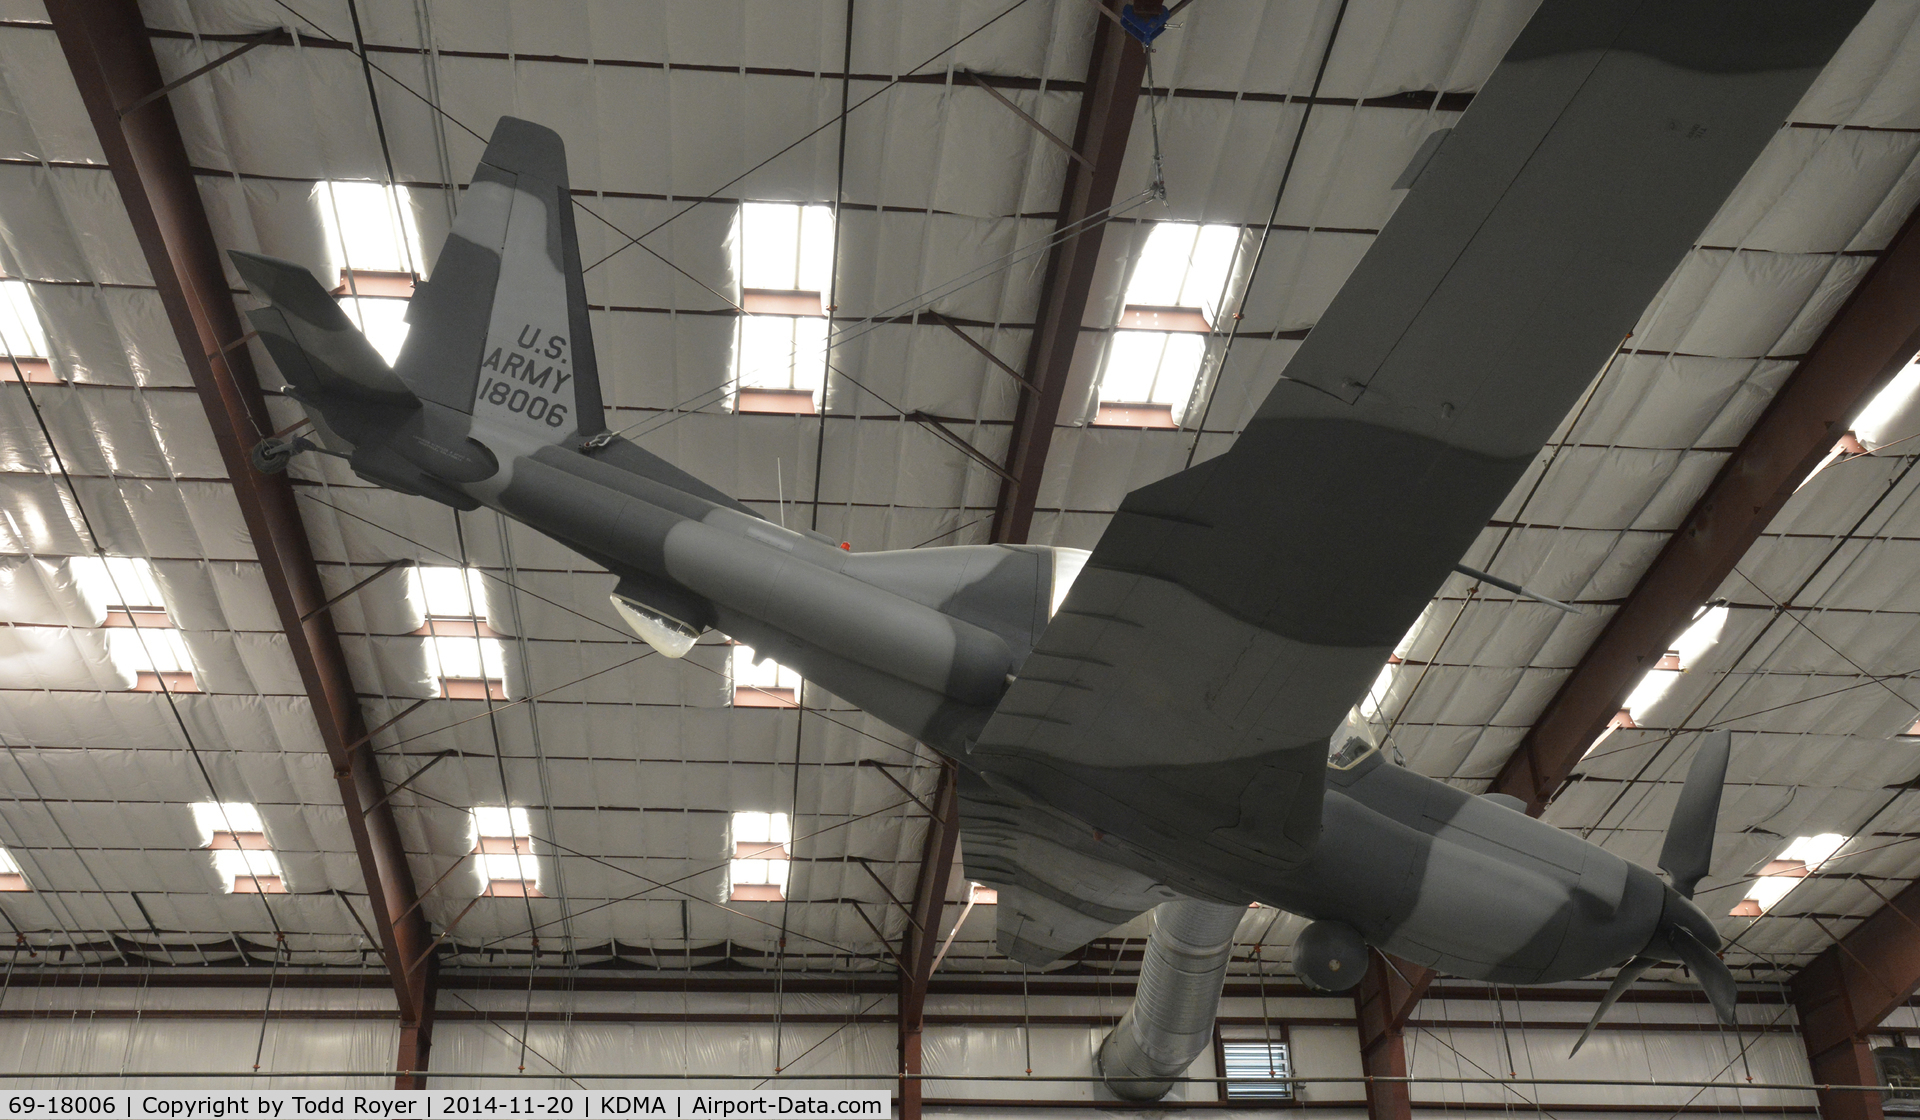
[{"x": 273, "y": 454}]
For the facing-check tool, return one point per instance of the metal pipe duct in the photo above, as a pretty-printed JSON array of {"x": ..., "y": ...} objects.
[{"x": 1171, "y": 1020}]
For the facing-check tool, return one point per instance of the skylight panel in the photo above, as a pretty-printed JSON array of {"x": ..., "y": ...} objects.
[
  {"x": 762, "y": 828},
  {"x": 468, "y": 668},
  {"x": 376, "y": 248},
  {"x": 1184, "y": 265},
  {"x": 780, "y": 363},
  {"x": 149, "y": 649},
  {"x": 503, "y": 852},
  {"x": 382, "y": 320},
  {"x": 1880, "y": 423},
  {"x": 142, "y": 641},
  {"x": 1173, "y": 299},
  {"x": 1797, "y": 861},
  {"x": 1373, "y": 704},
  {"x": 445, "y": 592},
  {"x": 785, "y": 246},
  {"x": 1153, "y": 366},
  {"x": 20, "y": 328},
  {"x": 369, "y": 226},
  {"x": 234, "y": 833},
  {"x": 783, "y": 256},
  {"x": 1686, "y": 654},
  {"x": 215, "y": 817},
  {"x": 762, "y": 684},
  {"x": 11, "y": 878},
  {"x": 464, "y": 654},
  {"x": 117, "y": 583},
  {"x": 761, "y": 857}
]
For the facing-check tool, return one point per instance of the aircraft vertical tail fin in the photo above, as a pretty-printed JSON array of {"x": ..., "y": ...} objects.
[{"x": 500, "y": 331}]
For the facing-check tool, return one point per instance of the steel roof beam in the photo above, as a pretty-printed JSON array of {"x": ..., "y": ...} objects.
[
  {"x": 107, "y": 48},
  {"x": 1100, "y": 145},
  {"x": 1875, "y": 333},
  {"x": 1847, "y": 991},
  {"x": 1382, "y": 1004},
  {"x": 923, "y": 932}
]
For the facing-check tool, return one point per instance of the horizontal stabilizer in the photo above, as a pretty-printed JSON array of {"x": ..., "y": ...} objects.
[{"x": 318, "y": 349}]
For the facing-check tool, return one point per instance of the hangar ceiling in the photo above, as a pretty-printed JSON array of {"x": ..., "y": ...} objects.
[{"x": 1290, "y": 120}]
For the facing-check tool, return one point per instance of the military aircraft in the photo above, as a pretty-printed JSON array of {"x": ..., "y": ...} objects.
[{"x": 1168, "y": 716}]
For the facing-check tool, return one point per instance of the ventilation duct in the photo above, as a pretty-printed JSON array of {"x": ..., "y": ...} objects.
[{"x": 1171, "y": 1020}]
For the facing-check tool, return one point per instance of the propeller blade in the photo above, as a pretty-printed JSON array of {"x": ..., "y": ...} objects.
[
  {"x": 1708, "y": 969},
  {"x": 1689, "y": 848},
  {"x": 1629, "y": 972}
]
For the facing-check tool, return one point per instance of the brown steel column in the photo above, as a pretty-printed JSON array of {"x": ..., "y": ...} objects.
[
  {"x": 1381, "y": 1006},
  {"x": 1875, "y": 333},
  {"x": 106, "y": 46},
  {"x": 416, "y": 1034},
  {"x": 1106, "y": 119},
  {"x": 923, "y": 933},
  {"x": 1847, "y": 991}
]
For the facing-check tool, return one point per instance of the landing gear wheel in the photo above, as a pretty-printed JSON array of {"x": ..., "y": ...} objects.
[{"x": 273, "y": 454}]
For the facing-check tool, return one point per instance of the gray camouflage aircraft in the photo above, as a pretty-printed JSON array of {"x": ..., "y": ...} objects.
[{"x": 1168, "y": 717}]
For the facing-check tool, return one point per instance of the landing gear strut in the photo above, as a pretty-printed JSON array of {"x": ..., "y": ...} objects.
[{"x": 273, "y": 454}]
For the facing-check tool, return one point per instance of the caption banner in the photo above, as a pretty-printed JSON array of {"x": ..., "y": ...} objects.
[{"x": 414, "y": 1104}]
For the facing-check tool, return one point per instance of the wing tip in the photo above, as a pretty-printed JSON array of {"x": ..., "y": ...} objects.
[
  {"x": 520, "y": 146},
  {"x": 287, "y": 286}
]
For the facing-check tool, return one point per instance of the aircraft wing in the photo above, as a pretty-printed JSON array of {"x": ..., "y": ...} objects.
[{"x": 1180, "y": 702}]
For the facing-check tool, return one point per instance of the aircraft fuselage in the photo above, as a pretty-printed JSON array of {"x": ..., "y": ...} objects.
[{"x": 926, "y": 641}]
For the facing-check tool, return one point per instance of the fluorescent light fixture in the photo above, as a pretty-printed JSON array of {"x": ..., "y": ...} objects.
[
  {"x": 20, "y": 328},
  {"x": 369, "y": 226}
]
